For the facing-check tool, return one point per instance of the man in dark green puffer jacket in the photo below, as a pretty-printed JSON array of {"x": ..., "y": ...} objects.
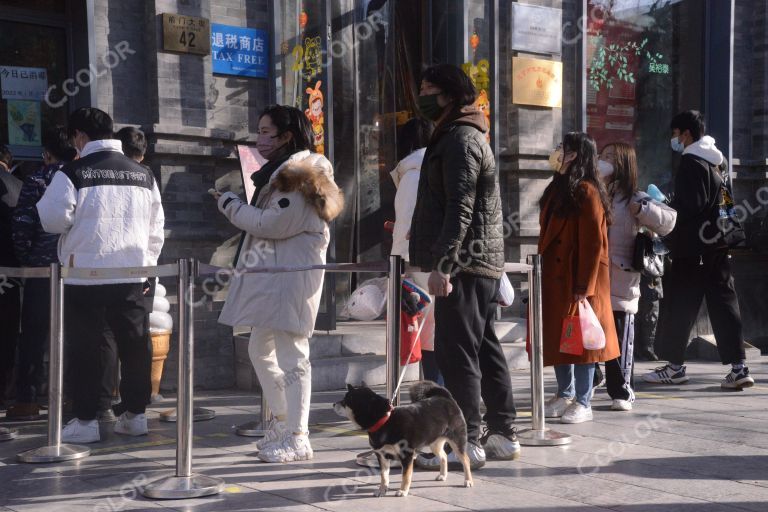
[{"x": 457, "y": 235}]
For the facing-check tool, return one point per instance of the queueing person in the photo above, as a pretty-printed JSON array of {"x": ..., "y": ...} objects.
[
  {"x": 108, "y": 211},
  {"x": 411, "y": 145},
  {"x": 36, "y": 248},
  {"x": 701, "y": 265},
  {"x": 286, "y": 225},
  {"x": 10, "y": 289},
  {"x": 575, "y": 212},
  {"x": 457, "y": 236},
  {"x": 632, "y": 210}
]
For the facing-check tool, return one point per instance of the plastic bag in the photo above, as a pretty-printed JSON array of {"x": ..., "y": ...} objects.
[
  {"x": 367, "y": 302},
  {"x": 592, "y": 334},
  {"x": 506, "y": 295}
]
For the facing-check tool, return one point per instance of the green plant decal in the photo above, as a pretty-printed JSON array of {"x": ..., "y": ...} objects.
[{"x": 610, "y": 62}]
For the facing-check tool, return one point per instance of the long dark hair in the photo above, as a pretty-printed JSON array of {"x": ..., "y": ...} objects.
[
  {"x": 291, "y": 119},
  {"x": 453, "y": 81},
  {"x": 624, "y": 180},
  {"x": 565, "y": 189},
  {"x": 413, "y": 135}
]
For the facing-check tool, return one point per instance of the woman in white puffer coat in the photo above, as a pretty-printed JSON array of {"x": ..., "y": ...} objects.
[
  {"x": 286, "y": 224},
  {"x": 632, "y": 210}
]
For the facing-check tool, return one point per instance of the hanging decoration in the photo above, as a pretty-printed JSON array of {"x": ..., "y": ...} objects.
[
  {"x": 303, "y": 19},
  {"x": 474, "y": 41},
  {"x": 316, "y": 117}
]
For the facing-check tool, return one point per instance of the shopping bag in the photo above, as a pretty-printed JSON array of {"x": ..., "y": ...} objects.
[
  {"x": 592, "y": 334},
  {"x": 570, "y": 337},
  {"x": 410, "y": 345},
  {"x": 506, "y": 295}
]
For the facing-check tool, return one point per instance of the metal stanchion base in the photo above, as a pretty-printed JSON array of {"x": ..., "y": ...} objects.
[
  {"x": 6, "y": 434},
  {"x": 546, "y": 437},
  {"x": 54, "y": 454},
  {"x": 198, "y": 414},
  {"x": 251, "y": 429},
  {"x": 179, "y": 487},
  {"x": 369, "y": 460}
]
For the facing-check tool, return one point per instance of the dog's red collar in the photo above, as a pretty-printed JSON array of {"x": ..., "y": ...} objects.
[{"x": 384, "y": 419}]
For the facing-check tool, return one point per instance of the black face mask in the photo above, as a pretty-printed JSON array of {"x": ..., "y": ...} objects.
[{"x": 429, "y": 107}]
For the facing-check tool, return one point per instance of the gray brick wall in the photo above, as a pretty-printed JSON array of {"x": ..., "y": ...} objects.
[{"x": 193, "y": 120}]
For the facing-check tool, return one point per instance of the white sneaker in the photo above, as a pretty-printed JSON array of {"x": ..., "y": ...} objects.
[
  {"x": 289, "y": 449},
  {"x": 501, "y": 445},
  {"x": 556, "y": 406},
  {"x": 621, "y": 405},
  {"x": 576, "y": 413},
  {"x": 81, "y": 432},
  {"x": 136, "y": 426},
  {"x": 666, "y": 375},
  {"x": 275, "y": 432}
]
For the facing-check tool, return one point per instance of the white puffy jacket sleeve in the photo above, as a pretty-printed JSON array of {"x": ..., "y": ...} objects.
[
  {"x": 284, "y": 217},
  {"x": 156, "y": 227},
  {"x": 656, "y": 216},
  {"x": 57, "y": 206}
]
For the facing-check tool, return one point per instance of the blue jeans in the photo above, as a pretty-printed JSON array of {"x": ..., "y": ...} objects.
[{"x": 579, "y": 387}]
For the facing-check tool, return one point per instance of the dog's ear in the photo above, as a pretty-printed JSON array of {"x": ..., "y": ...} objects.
[
  {"x": 363, "y": 384},
  {"x": 350, "y": 387}
]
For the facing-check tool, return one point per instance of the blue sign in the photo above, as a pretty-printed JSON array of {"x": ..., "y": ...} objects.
[{"x": 239, "y": 51}]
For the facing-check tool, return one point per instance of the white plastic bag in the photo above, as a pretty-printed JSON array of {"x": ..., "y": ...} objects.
[
  {"x": 367, "y": 302},
  {"x": 592, "y": 333},
  {"x": 506, "y": 294}
]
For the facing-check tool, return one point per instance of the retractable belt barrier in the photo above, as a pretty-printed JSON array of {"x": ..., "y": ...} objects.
[{"x": 185, "y": 484}]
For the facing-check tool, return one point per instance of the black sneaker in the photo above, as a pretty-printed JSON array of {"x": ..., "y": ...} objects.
[
  {"x": 106, "y": 416},
  {"x": 738, "y": 380},
  {"x": 666, "y": 375},
  {"x": 501, "y": 444}
]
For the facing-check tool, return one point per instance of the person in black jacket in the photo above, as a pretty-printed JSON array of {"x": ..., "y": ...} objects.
[
  {"x": 700, "y": 262},
  {"x": 36, "y": 248},
  {"x": 10, "y": 297},
  {"x": 457, "y": 235}
]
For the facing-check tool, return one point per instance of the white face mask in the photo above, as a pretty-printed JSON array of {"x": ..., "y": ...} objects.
[
  {"x": 677, "y": 146},
  {"x": 604, "y": 168}
]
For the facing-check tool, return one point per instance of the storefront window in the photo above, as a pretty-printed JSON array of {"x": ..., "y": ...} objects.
[
  {"x": 35, "y": 55},
  {"x": 644, "y": 65}
]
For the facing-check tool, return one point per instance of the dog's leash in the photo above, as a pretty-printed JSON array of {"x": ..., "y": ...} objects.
[{"x": 413, "y": 346}]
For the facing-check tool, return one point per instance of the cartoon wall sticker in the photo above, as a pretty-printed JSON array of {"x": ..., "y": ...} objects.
[{"x": 314, "y": 113}]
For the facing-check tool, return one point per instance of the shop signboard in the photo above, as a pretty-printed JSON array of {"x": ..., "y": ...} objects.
[
  {"x": 536, "y": 29},
  {"x": 21, "y": 83},
  {"x": 186, "y": 34},
  {"x": 537, "y": 82},
  {"x": 239, "y": 51}
]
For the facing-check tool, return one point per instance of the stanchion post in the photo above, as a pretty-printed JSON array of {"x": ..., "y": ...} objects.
[
  {"x": 538, "y": 434},
  {"x": 257, "y": 428},
  {"x": 55, "y": 451},
  {"x": 184, "y": 484},
  {"x": 394, "y": 299}
]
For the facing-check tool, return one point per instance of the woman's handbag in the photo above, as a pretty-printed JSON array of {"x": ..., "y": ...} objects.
[
  {"x": 648, "y": 257},
  {"x": 571, "y": 341}
]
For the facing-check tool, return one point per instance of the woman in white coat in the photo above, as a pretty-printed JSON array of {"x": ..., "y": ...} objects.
[
  {"x": 286, "y": 224},
  {"x": 632, "y": 210},
  {"x": 411, "y": 145}
]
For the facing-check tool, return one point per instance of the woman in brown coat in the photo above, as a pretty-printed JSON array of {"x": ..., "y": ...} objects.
[{"x": 575, "y": 212}]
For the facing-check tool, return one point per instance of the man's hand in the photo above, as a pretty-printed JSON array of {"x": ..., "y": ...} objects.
[{"x": 439, "y": 284}]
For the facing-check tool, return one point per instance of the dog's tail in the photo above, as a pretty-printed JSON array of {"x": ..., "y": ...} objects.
[{"x": 426, "y": 389}]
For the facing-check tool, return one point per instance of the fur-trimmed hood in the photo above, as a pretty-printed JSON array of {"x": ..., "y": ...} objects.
[{"x": 317, "y": 187}]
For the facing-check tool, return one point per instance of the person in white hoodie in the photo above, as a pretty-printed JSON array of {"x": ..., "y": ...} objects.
[
  {"x": 632, "y": 210},
  {"x": 411, "y": 145},
  {"x": 108, "y": 211},
  {"x": 700, "y": 262}
]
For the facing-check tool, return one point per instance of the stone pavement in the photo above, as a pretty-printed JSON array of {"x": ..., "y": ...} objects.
[{"x": 688, "y": 448}]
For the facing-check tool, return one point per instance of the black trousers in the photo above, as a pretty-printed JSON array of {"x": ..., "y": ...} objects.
[
  {"x": 619, "y": 372},
  {"x": 97, "y": 318},
  {"x": 469, "y": 353},
  {"x": 10, "y": 311},
  {"x": 35, "y": 332},
  {"x": 647, "y": 318},
  {"x": 687, "y": 282}
]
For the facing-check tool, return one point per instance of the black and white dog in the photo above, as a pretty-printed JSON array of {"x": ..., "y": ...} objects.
[{"x": 431, "y": 419}]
